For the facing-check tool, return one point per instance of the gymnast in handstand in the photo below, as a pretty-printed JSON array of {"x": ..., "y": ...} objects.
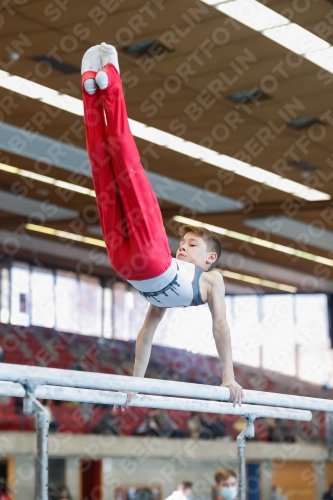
[{"x": 132, "y": 223}]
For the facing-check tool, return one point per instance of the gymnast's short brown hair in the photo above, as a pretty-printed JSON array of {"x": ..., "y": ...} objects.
[{"x": 213, "y": 243}]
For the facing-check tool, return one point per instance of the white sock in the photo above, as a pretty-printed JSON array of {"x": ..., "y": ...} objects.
[
  {"x": 90, "y": 85},
  {"x": 109, "y": 55},
  {"x": 102, "y": 80},
  {"x": 91, "y": 60}
]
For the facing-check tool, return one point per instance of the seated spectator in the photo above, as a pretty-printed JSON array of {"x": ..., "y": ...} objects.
[
  {"x": 167, "y": 426},
  {"x": 274, "y": 431},
  {"x": 150, "y": 426},
  {"x": 199, "y": 426},
  {"x": 183, "y": 492},
  {"x": 240, "y": 424},
  {"x": 217, "y": 427},
  {"x": 108, "y": 423},
  {"x": 194, "y": 426},
  {"x": 206, "y": 424},
  {"x": 288, "y": 431}
]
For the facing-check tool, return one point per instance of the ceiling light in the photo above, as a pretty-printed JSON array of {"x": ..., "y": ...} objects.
[
  {"x": 225, "y": 162},
  {"x": 296, "y": 39},
  {"x": 65, "y": 234},
  {"x": 257, "y": 281},
  {"x": 164, "y": 139},
  {"x": 14, "y": 56},
  {"x": 278, "y": 28},
  {"x": 215, "y": 2},
  {"x": 65, "y": 102},
  {"x": 255, "y": 241},
  {"x": 40, "y": 92},
  {"x": 166, "y": 189},
  {"x": 47, "y": 180},
  {"x": 323, "y": 58},
  {"x": 253, "y": 14}
]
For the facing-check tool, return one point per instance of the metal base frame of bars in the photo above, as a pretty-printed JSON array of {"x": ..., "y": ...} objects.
[{"x": 32, "y": 383}]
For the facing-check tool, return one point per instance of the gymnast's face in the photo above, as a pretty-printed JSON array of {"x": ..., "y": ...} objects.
[{"x": 193, "y": 249}]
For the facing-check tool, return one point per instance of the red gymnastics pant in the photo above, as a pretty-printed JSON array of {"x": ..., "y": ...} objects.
[{"x": 130, "y": 216}]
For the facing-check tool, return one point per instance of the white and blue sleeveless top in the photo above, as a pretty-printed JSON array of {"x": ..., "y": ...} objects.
[{"x": 178, "y": 286}]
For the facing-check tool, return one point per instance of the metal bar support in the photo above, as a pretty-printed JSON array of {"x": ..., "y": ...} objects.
[
  {"x": 241, "y": 443},
  {"x": 34, "y": 382},
  {"x": 32, "y": 407}
]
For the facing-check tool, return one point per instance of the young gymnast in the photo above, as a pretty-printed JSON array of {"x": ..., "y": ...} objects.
[{"x": 132, "y": 223}]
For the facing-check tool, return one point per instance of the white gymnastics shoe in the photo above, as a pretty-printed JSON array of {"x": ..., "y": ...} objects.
[
  {"x": 109, "y": 55},
  {"x": 91, "y": 61}
]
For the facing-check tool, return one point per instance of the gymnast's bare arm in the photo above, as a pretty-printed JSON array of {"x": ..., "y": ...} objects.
[
  {"x": 213, "y": 286},
  {"x": 144, "y": 342},
  {"x": 145, "y": 339}
]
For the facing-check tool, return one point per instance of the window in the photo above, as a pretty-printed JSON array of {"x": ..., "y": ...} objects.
[
  {"x": 5, "y": 296},
  {"x": 107, "y": 313},
  {"x": 20, "y": 295},
  {"x": 187, "y": 328},
  {"x": 315, "y": 360},
  {"x": 67, "y": 300},
  {"x": 138, "y": 307},
  {"x": 279, "y": 328},
  {"x": 42, "y": 298},
  {"x": 311, "y": 321},
  {"x": 121, "y": 308},
  {"x": 245, "y": 330},
  {"x": 90, "y": 306}
]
